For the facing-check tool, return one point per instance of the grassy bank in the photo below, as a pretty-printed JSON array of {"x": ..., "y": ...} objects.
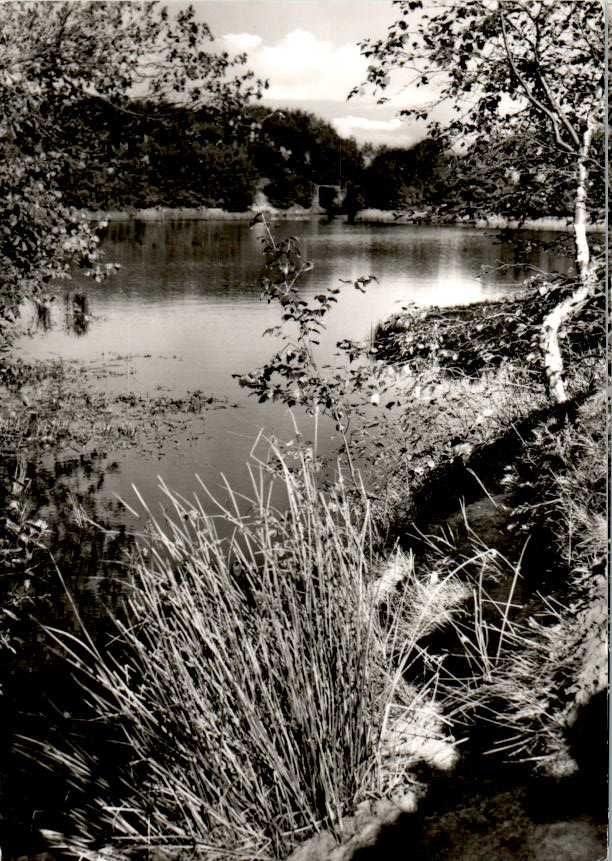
[{"x": 511, "y": 489}]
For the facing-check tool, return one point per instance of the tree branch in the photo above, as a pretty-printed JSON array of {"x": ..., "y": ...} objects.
[
  {"x": 64, "y": 15},
  {"x": 555, "y": 107},
  {"x": 529, "y": 94}
]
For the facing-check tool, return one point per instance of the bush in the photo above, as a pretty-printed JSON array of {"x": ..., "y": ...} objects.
[
  {"x": 227, "y": 178},
  {"x": 404, "y": 178}
]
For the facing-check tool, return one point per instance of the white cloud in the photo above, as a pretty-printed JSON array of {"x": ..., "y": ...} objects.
[
  {"x": 301, "y": 67},
  {"x": 306, "y": 71},
  {"x": 392, "y": 132},
  {"x": 347, "y": 126},
  {"x": 236, "y": 43}
]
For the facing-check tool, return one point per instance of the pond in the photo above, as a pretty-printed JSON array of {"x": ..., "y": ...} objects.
[{"x": 184, "y": 314}]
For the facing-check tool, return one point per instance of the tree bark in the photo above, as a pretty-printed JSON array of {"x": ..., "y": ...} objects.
[{"x": 587, "y": 283}]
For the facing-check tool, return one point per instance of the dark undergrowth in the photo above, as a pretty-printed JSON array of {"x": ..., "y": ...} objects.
[
  {"x": 40, "y": 534},
  {"x": 483, "y": 812},
  {"x": 455, "y": 480}
]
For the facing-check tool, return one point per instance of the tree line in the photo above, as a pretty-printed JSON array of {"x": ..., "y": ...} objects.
[{"x": 140, "y": 156}]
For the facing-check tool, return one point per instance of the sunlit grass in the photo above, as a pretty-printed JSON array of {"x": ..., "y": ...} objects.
[{"x": 255, "y": 681}]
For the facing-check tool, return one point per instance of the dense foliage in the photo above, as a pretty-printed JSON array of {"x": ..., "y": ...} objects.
[
  {"x": 151, "y": 155},
  {"x": 201, "y": 158},
  {"x": 505, "y": 175},
  {"x": 145, "y": 157},
  {"x": 53, "y": 57},
  {"x": 407, "y": 178},
  {"x": 519, "y": 82},
  {"x": 300, "y": 141}
]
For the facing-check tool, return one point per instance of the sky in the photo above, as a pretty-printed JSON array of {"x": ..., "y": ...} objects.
[{"x": 308, "y": 50}]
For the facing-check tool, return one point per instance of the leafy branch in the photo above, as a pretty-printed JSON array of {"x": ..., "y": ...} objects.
[{"x": 293, "y": 375}]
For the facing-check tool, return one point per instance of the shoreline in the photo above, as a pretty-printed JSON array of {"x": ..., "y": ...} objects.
[
  {"x": 196, "y": 213},
  {"x": 364, "y": 216},
  {"x": 497, "y": 222}
]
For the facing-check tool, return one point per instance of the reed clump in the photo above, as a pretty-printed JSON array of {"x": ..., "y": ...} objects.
[{"x": 254, "y": 687}]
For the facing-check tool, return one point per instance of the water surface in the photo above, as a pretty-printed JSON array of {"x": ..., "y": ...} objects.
[{"x": 184, "y": 313}]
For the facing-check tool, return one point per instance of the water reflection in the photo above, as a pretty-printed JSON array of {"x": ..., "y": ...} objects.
[{"x": 76, "y": 309}]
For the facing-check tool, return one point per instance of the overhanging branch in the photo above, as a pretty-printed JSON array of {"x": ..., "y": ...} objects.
[{"x": 554, "y": 119}]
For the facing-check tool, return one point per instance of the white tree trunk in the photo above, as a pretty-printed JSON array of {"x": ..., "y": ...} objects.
[{"x": 553, "y": 360}]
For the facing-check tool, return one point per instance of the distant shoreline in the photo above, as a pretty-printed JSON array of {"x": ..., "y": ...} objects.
[
  {"x": 299, "y": 213},
  {"x": 196, "y": 213},
  {"x": 498, "y": 222}
]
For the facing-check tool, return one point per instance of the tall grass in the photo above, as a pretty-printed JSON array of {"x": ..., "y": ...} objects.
[
  {"x": 255, "y": 684},
  {"x": 565, "y": 649},
  {"x": 525, "y": 670}
]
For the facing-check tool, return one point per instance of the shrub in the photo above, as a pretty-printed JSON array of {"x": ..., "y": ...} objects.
[{"x": 471, "y": 339}]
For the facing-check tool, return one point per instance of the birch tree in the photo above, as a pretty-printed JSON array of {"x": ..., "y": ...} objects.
[{"x": 526, "y": 76}]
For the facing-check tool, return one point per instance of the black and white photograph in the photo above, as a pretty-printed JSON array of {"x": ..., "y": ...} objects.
[{"x": 304, "y": 430}]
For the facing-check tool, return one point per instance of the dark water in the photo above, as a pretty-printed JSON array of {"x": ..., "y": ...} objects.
[{"x": 184, "y": 313}]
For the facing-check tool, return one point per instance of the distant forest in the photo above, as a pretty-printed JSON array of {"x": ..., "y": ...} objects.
[{"x": 141, "y": 156}]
